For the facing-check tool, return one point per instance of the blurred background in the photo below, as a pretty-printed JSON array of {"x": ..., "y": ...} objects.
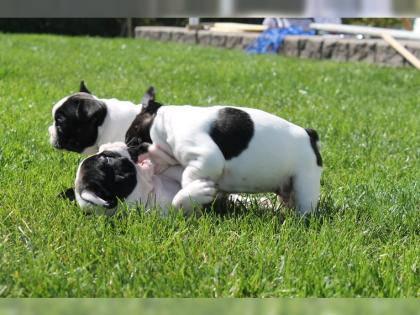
[
  {"x": 123, "y": 27},
  {"x": 210, "y": 307},
  {"x": 219, "y": 8}
]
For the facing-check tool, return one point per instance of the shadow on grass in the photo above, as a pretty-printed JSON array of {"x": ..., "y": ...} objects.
[{"x": 262, "y": 206}]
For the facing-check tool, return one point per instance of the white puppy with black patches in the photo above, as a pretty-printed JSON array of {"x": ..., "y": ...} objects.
[
  {"x": 111, "y": 175},
  {"x": 240, "y": 150},
  {"x": 83, "y": 122}
]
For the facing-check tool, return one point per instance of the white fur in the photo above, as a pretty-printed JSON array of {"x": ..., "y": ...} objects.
[
  {"x": 120, "y": 115},
  {"x": 277, "y": 152}
]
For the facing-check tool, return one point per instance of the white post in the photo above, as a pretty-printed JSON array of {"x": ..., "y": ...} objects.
[
  {"x": 226, "y": 7},
  {"x": 194, "y": 21}
]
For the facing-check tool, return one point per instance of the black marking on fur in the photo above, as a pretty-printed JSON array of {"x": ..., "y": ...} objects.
[
  {"x": 314, "y": 138},
  {"x": 77, "y": 121},
  {"x": 109, "y": 176},
  {"x": 68, "y": 194},
  {"x": 139, "y": 130},
  {"x": 136, "y": 148},
  {"x": 232, "y": 131},
  {"x": 83, "y": 88}
]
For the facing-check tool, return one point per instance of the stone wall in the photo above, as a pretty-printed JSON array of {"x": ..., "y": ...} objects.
[{"x": 316, "y": 47}]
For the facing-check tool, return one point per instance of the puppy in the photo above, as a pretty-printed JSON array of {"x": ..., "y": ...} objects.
[
  {"x": 239, "y": 150},
  {"x": 83, "y": 122},
  {"x": 111, "y": 175}
]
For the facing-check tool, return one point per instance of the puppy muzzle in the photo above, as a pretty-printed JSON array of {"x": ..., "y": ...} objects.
[{"x": 53, "y": 137}]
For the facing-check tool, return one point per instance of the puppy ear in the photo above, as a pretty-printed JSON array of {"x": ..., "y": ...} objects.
[
  {"x": 68, "y": 194},
  {"x": 148, "y": 102},
  {"x": 97, "y": 201},
  {"x": 148, "y": 96},
  {"x": 83, "y": 88},
  {"x": 89, "y": 109}
]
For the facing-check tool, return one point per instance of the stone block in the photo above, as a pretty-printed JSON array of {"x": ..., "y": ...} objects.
[
  {"x": 218, "y": 39},
  {"x": 165, "y": 36},
  {"x": 204, "y": 38},
  {"x": 311, "y": 47},
  {"x": 233, "y": 41},
  {"x": 341, "y": 50},
  {"x": 189, "y": 37},
  {"x": 387, "y": 55},
  {"x": 319, "y": 47},
  {"x": 248, "y": 39},
  {"x": 290, "y": 46},
  {"x": 328, "y": 48},
  {"x": 362, "y": 50}
]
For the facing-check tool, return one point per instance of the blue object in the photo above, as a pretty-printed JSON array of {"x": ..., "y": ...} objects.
[{"x": 270, "y": 41}]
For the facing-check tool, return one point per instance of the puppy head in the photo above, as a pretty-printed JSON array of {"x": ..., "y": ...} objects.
[
  {"x": 110, "y": 175},
  {"x": 76, "y": 121}
]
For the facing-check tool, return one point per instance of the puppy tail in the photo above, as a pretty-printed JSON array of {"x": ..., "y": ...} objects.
[{"x": 314, "y": 139}]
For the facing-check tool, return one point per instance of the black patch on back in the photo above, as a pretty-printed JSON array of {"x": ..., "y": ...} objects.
[
  {"x": 314, "y": 138},
  {"x": 232, "y": 131},
  {"x": 77, "y": 121},
  {"x": 108, "y": 175}
]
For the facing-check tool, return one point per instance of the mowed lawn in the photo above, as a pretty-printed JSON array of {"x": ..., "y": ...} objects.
[{"x": 363, "y": 242}]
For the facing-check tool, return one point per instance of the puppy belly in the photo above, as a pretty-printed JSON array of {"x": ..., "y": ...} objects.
[
  {"x": 247, "y": 186},
  {"x": 240, "y": 181},
  {"x": 254, "y": 171}
]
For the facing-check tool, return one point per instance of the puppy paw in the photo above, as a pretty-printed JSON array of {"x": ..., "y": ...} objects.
[{"x": 202, "y": 191}]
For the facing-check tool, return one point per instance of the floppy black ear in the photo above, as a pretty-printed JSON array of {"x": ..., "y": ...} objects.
[
  {"x": 83, "y": 88},
  {"x": 68, "y": 194},
  {"x": 91, "y": 110}
]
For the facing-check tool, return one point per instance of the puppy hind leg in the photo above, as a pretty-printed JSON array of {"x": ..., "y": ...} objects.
[
  {"x": 285, "y": 194},
  {"x": 306, "y": 187}
]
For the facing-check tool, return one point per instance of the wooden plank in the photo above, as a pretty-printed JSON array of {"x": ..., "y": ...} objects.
[
  {"x": 238, "y": 27},
  {"x": 367, "y": 30},
  {"x": 402, "y": 50}
]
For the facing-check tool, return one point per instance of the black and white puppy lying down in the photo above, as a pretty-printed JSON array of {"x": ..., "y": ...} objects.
[
  {"x": 111, "y": 175},
  {"x": 237, "y": 150},
  {"x": 232, "y": 149}
]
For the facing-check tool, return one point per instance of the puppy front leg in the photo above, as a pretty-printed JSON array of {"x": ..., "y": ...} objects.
[
  {"x": 205, "y": 166},
  {"x": 198, "y": 192},
  {"x": 160, "y": 158}
]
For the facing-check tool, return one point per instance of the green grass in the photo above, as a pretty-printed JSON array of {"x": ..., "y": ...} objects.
[{"x": 364, "y": 243}]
